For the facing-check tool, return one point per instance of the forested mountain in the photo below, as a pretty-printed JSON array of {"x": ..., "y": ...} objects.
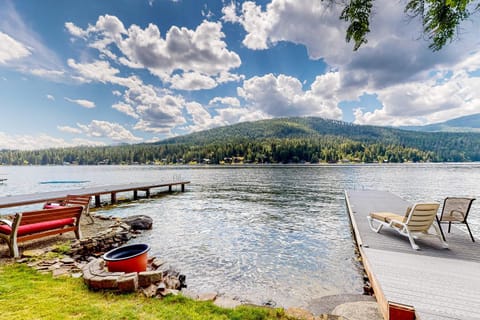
[
  {"x": 469, "y": 123},
  {"x": 286, "y": 140}
]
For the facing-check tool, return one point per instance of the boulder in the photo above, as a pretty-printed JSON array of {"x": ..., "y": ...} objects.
[
  {"x": 360, "y": 310},
  {"x": 139, "y": 222}
]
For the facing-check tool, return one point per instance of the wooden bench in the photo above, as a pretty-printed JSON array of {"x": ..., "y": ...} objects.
[
  {"x": 73, "y": 199},
  {"x": 38, "y": 224}
]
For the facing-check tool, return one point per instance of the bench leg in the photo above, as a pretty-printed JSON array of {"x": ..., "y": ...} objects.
[
  {"x": 78, "y": 233},
  {"x": 12, "y": 244}
]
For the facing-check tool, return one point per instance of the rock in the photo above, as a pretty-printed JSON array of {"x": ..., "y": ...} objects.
[
  {"x": 127, "y": 284},
  {"x": 150, "y": 291},
  {"x": 226, "y": 302},
  {"x": 269, "y": 303},
  {"x": 166, "y": 292},
  {"x": 329, "y": 317},
  {"x": 161, "y": 287},
  {"x": 60, "y": 272},
  {"x": 34, "y": 253},
  {"x": 299, "y": 313},
  {"x": 67, "y": 260},
  {"x": 172, "y": 283},
  {"x": 145, "y": 278},
  {"x": 183, "y": 281},
  {"x": 360, "y": 310},
  {"x": 190, "y": 294},
  {"x": 139, "y": 222},
  {"x": 207, "y": 296},
  {"x": 157, "y": 263},
  {"x": 326, "y": 304}
]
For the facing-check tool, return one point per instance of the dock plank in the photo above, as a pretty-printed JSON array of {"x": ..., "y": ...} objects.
[
  {"x": 26, "y": 199},
  {"x": 439, "y": 283}
]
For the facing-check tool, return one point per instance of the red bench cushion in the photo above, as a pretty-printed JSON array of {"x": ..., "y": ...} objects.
[{"x": 37, "y": 227}]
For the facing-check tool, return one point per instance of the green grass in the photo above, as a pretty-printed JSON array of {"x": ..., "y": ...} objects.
[{"x": 27, "y": 294}]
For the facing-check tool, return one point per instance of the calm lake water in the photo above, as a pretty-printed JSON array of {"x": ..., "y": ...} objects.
[{"x": 276, "y": 233}]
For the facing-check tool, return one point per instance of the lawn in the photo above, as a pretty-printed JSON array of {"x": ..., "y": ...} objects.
[{"x": 27, "y": 294}]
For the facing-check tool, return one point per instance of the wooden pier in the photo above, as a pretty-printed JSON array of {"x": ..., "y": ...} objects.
[
  {"x": 113, "y": 190},
  {"x": 438, "y": 283}
]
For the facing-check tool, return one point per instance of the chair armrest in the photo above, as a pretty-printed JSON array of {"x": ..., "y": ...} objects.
[{"x": 7, "y": 222}]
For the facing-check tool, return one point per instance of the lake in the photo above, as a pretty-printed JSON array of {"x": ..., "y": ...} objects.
[{"x": 262, "y": 233}]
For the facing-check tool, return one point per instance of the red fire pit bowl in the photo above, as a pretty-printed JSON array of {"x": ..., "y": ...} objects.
[{"x": 129, "y": 258}]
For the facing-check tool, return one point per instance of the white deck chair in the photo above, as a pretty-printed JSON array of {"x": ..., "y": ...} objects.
[{"x": 418, "y": 221}]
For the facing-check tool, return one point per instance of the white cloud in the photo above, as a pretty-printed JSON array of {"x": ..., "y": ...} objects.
[
  {"x": 158, "y": 114},
  {"x": 424, "y": 102},
  {"x": 284, "y": 96},
  {"x": 192, "y": 81},
  {"x": 181, "y": 54},
  {"x": 100, "y": 71},
  {"x": 157, "y": 110},
  {"x": 54, "y": 75},
  {"x": 11, "y": 49},
  {"x": 126, "y": 109},
  {"x": 30, "y": 51},
  {"x": 203, "y": 120},
  {"x": 75, "y": 31},
  {"x": 114, "y": 131},
  {"x": 82, "y": 102},
  {"x": 312, "y": 23},
  {"x": 69, "y": 129},
  {"x": 226, "y": 101},
  {"x": 40, "y": 141},
  {"x": 116, "y": 93}
]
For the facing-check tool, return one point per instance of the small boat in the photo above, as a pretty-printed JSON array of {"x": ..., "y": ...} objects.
[
  {"x": 2, "y": 180},
  {"x": 63, "y": 181}
]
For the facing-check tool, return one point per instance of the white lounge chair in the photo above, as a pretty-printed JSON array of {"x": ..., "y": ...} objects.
[{"x": 417, "y": 221}]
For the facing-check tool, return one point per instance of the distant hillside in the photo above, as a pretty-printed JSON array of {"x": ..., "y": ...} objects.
[
  {"x": 287, "y": 140},
  {"x": 282, "y": 128},
  {"x": 469, "y": 123}
]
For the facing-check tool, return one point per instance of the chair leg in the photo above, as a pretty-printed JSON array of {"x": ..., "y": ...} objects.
[
  {"x": 449, "y": 226},
  {"x": 370, "y": 223},
  {"x": 412, "y": 242},
  {"x": 469, "y": 231},
  {"x": 439, "y": 234},
  {"x": 440, "y": 227}
]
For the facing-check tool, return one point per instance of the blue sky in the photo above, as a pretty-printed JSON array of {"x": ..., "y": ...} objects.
[{"x": 124, "y": 71}]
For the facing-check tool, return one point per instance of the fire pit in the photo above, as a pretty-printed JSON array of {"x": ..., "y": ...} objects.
[{"x": 129, "y": 258}]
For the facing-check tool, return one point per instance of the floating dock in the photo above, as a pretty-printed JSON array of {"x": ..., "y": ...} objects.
[
  {"x": 113, "y": 190},
  {"x": 438, "y": 283}
]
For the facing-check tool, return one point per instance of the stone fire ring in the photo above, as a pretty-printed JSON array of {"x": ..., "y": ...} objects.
[{"x": 97, "y": 277}]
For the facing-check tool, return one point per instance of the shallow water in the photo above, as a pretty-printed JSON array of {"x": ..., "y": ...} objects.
[{"x": 276, "y": 233}]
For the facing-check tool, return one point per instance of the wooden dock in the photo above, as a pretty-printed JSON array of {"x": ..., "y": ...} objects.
[
  {"x": 112, "y": 190},
  {"x": 439, "y": 283}
]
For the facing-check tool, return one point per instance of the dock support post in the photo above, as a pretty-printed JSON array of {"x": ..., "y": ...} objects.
[
  {"x": 170, "y": 188},
  {"x": 147, "y": 193},
  {"x": 114, "y": 197},
  {"x": 183, "y": 187},
  {"x": 97, "y": 201},
  {"x": 135, "y": 194}
]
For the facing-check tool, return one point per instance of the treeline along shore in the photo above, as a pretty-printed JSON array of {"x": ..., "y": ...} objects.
[{"x": 288, "y": 140}]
